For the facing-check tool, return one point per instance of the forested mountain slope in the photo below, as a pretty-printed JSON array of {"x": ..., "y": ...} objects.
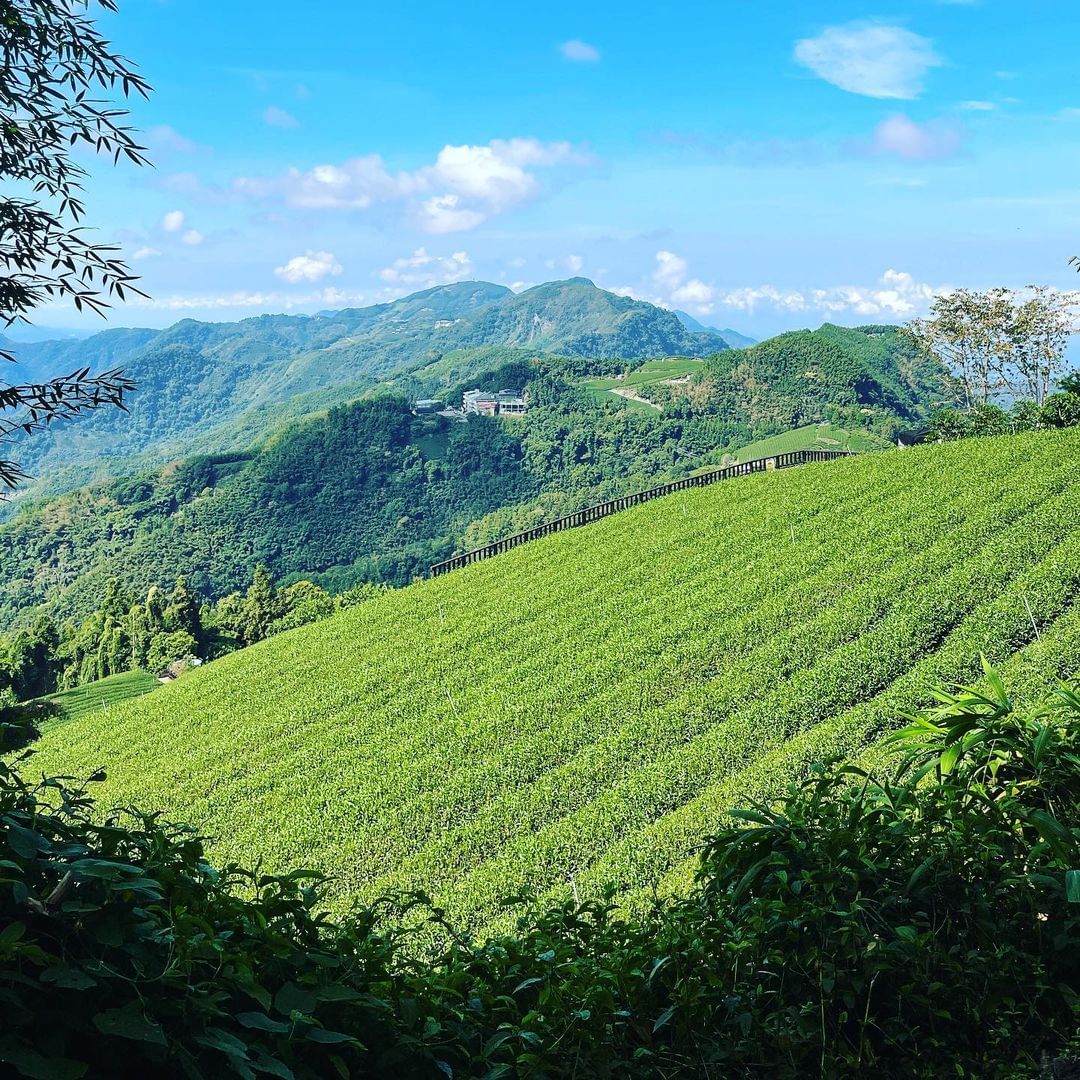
[
  {"x": 786, "y": 380},
  {"x": 576, "y": 318},
  {"x": 368, "y": 487},
  {"x": 584, "y": 708},
  {"x": 211, "y": 384}
]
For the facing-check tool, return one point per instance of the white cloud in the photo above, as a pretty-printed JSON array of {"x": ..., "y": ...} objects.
[
  {"x": 695, "y": 295},
  {"x": 163, "y": 137},
  {"x": 869, "y": 58},
  {"x": 185, "y": 183},
  {"x": 353, "y": 185},
  {"x": 574, "y": 263},
  {"x": 192, "y": 238},
  {"x": 977, "y": 106},
  {"x": 249, "y": 301},
  {"x": 311, "y": 266},
  {"x": 276, "y": 117},
  {"x": 679, "y": 290},
  {"x": 461, "y": 189},
  {"x": 447, "y": 214},
  {"x": 483, "y": 173},
  {"x": 579, "y": 52},
  {"x": 899, "y": 136},
  {"x": 896, "y": 295},
  {"x": 423, "y": 270},
  {"x": 146, "y": 252},
  {"x": 670, "y": 269},
  {"x": 333, "y": 297},
  {"x": 173, "y": 221}
]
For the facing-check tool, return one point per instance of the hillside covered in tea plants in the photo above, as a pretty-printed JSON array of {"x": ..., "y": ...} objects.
[{"x": 584, "y": 709}]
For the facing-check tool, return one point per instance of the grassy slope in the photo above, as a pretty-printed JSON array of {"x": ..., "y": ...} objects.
[
  {"x": 811, "y": 437},
  {"x": 652, "y": 371},
  {"x": 100, "y": 696},
  {"x": 588, "y": 705}
]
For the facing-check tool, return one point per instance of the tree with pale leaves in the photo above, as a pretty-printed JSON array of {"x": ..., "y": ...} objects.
[
  {"x": 998, "y": 343},
  {"x": 1042, "y": 322}
]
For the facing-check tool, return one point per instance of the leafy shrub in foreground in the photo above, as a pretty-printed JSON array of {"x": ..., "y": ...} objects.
[{"x": 916, "y": 926}]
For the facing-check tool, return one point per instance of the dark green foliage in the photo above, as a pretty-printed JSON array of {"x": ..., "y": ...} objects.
[
  {"x": 182, "y": 613},
  {"x": 576, "y": 318},
  {"x": 948, "y": 424},
  {"x": 990, "y": 419},
  {"x": 1059, "y": 410},
  {"x": 168, "y": 647},
  {"x": 1062, "y": 409},
  {"x": 28, "y": 660},
  {"x": 150, "y": 635},
  {"x": 922, "y": 918},
  {"x": 301, "y": 603},
  {"x": 261, "y": 608},
  {"x": 864, "y": 377},
  {"x": 351, "y": 490},
  {"x": 919, "y": 926}
]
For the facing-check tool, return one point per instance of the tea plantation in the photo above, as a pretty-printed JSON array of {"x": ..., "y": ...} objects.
[{"x": 584, "y": 708}]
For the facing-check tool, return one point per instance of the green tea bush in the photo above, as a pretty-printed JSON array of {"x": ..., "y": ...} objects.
[{"x": 923, "y": 924}]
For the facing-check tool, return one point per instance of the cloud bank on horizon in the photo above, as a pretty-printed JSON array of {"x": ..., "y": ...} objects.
[{"x": 743, "y": 184}]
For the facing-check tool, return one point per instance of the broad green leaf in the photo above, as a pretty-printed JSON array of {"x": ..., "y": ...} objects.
[
  {"x": 663, "y": 1018},
  {"x": 261, "y": 1022},
  {"x": 129, "y": 1022},
  {"x": 68, "y": 977},
  {"x": 321, "y": 1035},
  {"x": 294, "y": 999},
  {"x": 23, "y": 841},
  {"x": 218, "y": 1039},
  {"x": 1072, "y": 886}
]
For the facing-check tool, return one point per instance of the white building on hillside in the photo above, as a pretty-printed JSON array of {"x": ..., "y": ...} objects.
[{"x": 504, "y": 403}]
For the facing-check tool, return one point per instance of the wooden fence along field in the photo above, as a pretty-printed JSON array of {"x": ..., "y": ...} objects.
[{"x": 602, "y": 510}]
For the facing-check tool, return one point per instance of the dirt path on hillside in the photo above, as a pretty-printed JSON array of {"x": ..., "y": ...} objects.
[{"x": 627, "y": 392}]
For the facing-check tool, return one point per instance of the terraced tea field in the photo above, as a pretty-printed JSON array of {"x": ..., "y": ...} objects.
[
  {"x": 585, "y": 707},
  {"x": 100, "y": 696},
  {"x": 631, "y": 386},
  {"x": 812, "y": 437}
]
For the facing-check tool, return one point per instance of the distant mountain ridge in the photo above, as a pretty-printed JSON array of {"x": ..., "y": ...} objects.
[
  {"x": 194, "y": 377},
  {"x": 732, "y": 338}
]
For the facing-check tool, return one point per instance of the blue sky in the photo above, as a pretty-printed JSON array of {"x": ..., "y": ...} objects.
[{"x": 763, "y": 166}]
